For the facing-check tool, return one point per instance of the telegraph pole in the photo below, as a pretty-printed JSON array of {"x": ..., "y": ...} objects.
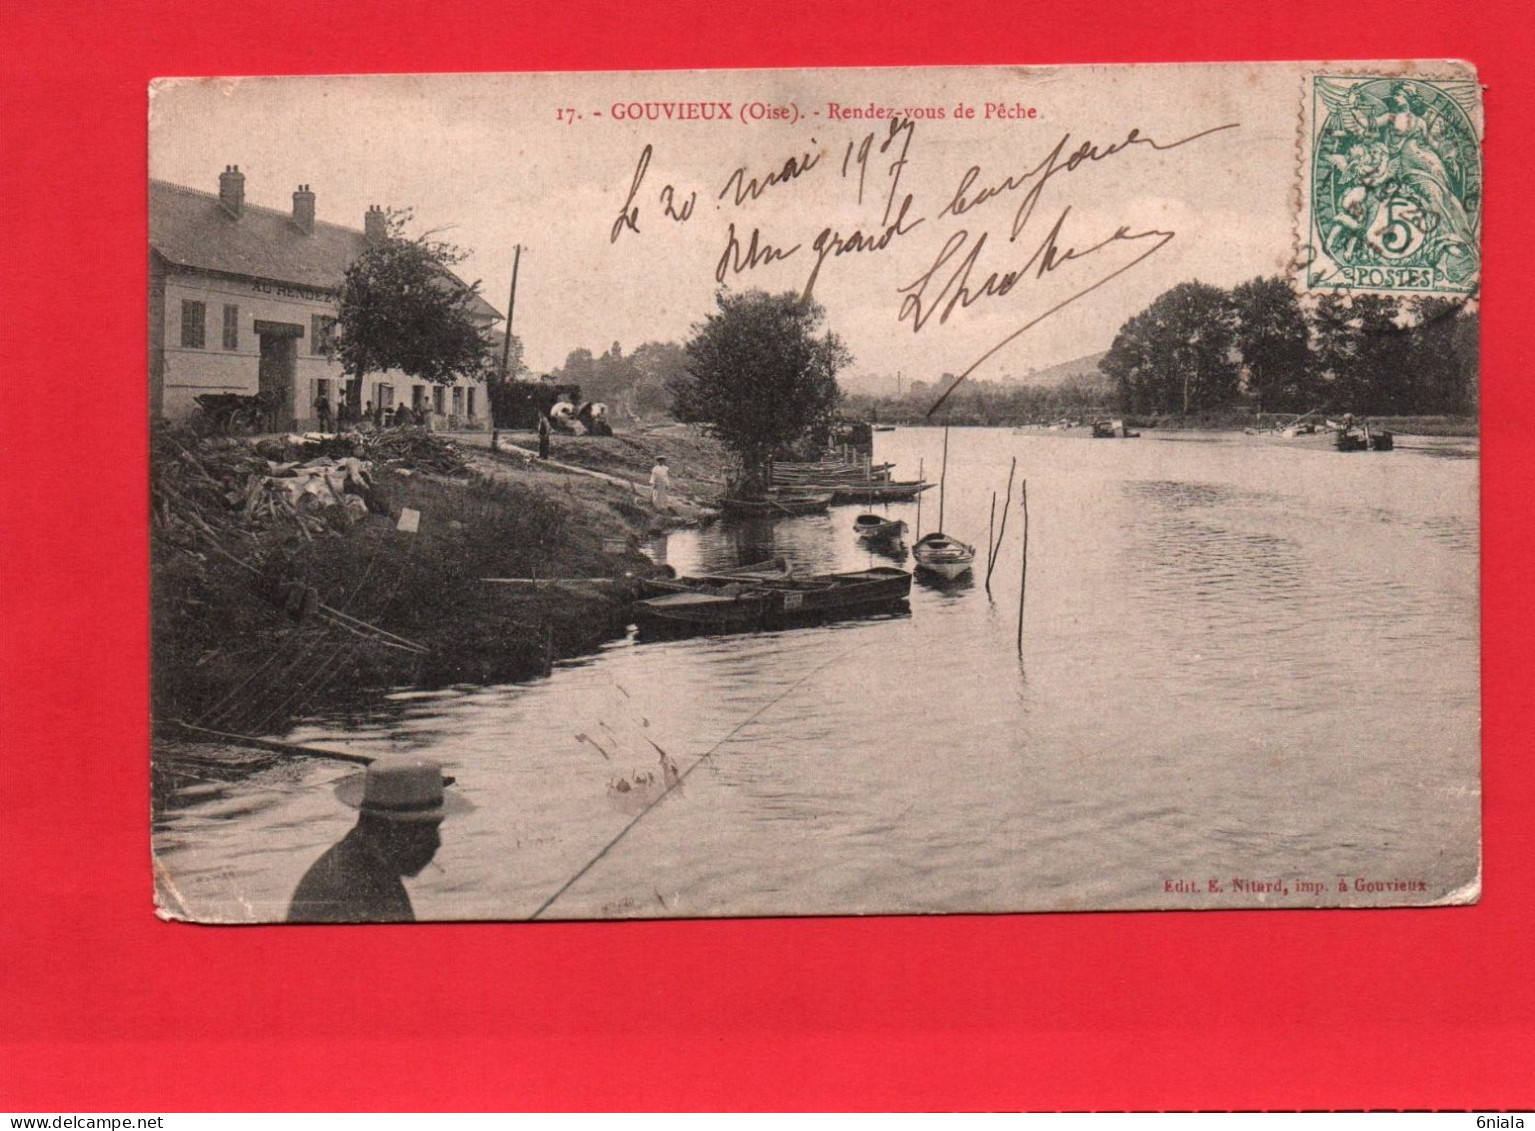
[{"x": 506, "y": 352}]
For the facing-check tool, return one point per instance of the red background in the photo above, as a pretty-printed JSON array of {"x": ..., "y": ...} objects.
[{"x": 106, "y": 1008}]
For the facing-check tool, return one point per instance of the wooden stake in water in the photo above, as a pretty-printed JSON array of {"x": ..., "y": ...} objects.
[
  {"x": 991, "y": 544},
  {"x": 1023, "y": 580},
  {"x": 996, "y": 547}
]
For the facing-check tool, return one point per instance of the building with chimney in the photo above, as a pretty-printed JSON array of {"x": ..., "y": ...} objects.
[{"x": 242, "y": 299}]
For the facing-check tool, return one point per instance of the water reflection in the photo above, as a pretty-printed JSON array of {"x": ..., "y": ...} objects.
[{"x": 945, "y": 586}]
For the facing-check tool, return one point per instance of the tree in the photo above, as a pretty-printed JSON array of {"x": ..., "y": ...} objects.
[
  {"x": 1176, "y": 355},
  {"x": 401, "y": 307},
  {"x": 658, "y": 364},
  {"x": 1467, "y": 340},
  {"x": 1439, "y": 369},
  {"x": 761, "y": 375},
  {"x": 1272, "y": 336},
  {"x": 1363, "y": 351}
]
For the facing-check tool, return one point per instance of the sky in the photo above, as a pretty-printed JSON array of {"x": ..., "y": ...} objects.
[{"x": 548, "y": 162}]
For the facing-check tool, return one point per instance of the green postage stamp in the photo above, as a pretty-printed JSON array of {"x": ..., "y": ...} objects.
[{"x": 1392, "y": 181}]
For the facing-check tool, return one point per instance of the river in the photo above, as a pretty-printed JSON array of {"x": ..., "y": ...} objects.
[{"x": 1247, "y": 666}]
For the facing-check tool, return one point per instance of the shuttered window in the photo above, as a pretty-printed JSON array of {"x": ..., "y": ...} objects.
[
  {"x": 194, "y": 317},
  {"x": 231, "y": 327}
]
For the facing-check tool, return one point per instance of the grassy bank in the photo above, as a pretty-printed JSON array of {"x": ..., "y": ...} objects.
[
  {"x": 244, "y": 637},
  {"x": 697, "y": 462}
]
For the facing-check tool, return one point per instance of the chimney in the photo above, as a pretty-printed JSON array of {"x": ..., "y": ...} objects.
[
  {"x": 303, "y": 210},
  {"x": 232, "y": 190},
  {"x": 374, "y": 226}
]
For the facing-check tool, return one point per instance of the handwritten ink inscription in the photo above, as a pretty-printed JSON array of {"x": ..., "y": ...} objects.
[{"x": 972, "y": 236}]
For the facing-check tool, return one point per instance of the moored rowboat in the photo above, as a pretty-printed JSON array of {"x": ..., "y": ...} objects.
[
  {"x": 879, "y": 492},
  {"x": 872, "y": 526},
  {"x": 945, "y": 556},
  {"x": 727, "y": 603}
]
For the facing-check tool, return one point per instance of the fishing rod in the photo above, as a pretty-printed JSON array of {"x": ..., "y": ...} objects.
[{"x": 682, "y": 777}]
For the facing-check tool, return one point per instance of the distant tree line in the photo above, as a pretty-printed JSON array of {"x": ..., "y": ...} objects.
[
  {"x": 1199, "y": 348},
  {"x": 979, "y": 402},
  {"x": 633, "y": 385}
]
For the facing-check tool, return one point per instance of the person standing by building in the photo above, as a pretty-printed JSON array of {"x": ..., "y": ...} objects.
[
  {"x": 322, "y": 412},
  {"x": 401, "y": 803},
  {"x": 661, "y": 485},
  {"x": 543, "y": 436}
]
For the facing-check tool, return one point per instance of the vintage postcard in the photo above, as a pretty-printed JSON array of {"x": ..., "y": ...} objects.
[{"x": 836, "y": 492}]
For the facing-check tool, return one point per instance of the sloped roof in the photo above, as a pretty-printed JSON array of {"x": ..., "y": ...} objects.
[{"x": 190, "y": 228}]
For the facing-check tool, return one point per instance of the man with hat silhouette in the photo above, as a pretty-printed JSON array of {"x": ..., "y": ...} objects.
[{"x": 400, "y": 802}]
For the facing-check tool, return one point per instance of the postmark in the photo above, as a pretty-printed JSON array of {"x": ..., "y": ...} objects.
[{"x": 1392, "y": 184}]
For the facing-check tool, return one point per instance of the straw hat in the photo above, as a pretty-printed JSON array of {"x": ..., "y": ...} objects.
[{"x": 402, "y": 789}]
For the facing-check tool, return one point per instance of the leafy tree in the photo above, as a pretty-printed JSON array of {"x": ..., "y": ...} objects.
[
  {"x": 761, "y": 375},
  {"x": 1439, "y": 365},
  {"x": 579, "y": 369},
  {"x": 1467, "y": 339},
  {"x": 401, "y": 307},
  {"x": 1272, "y": 335},
  {"x": 1364, "y": 353},
  {"x": 1177, "y": 354},
  {"x": 657, "y": 365}
]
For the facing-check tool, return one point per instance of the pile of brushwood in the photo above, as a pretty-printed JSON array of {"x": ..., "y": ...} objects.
[
  {"x": 413, "y": 448},
  {"x": 211, "y": 491}
]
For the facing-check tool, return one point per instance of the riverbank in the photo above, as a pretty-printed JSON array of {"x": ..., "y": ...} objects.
[
  {"x": 1230, "y": 421},
  {"x": 264, "y": 612},
  {"x": 1233, "y": 421}
]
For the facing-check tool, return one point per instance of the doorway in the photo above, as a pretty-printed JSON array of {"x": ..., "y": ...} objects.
[{"x": 276, "y": 372}]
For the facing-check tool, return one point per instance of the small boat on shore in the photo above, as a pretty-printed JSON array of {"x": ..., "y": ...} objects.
[
  {"x": 873, "y": 527},
  {"x": 1112, "y": 430},
  {"x": 778, "y": 504},
  {"x": 945, "y": 556}
]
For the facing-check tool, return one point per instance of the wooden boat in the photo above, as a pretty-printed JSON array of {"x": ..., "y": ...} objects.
[
  {"x": 730, "y": 603},
  {"x": 778, "y": 504},
  {"x": 829, "y": 474},
  {"x": 1358, "y": 436},
  {"x": 1112, "y": 430},
  {"x": 899, "y": 492},
  {"x": 705, "y": 609},
  {"x": 874, "y": 527},
  {"x": 777, "y": 569},
  {"x": 945, "y": 556}
]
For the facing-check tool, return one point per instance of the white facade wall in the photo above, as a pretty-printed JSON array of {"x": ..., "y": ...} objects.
[{"x": 188, "y": 371}]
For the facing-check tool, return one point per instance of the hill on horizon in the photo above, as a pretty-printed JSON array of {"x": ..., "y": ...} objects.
[
  {"x": 1086, "y": 366},
  {"x": 885, "y": 385}
]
